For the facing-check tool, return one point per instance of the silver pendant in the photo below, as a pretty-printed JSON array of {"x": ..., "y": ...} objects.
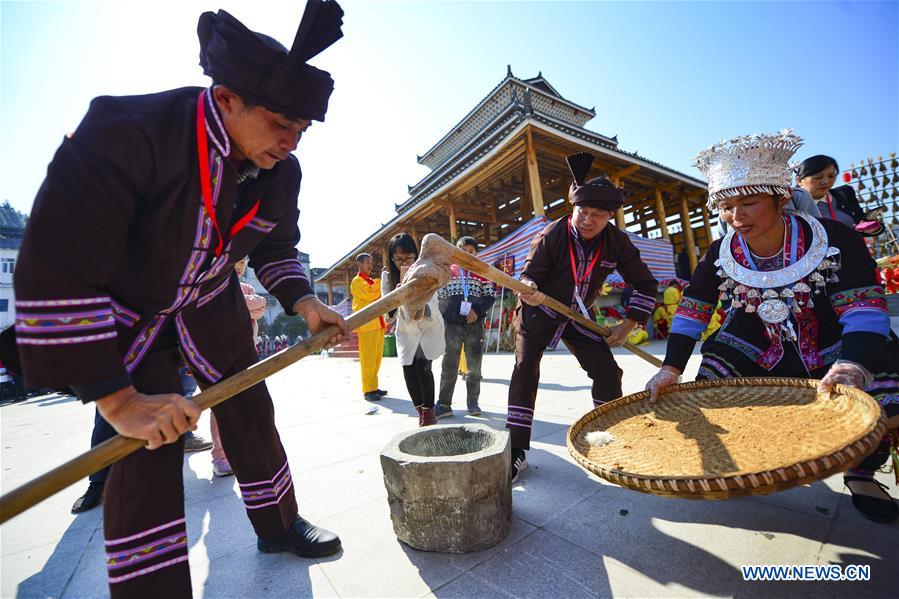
[{"x": 773, "y": 311}]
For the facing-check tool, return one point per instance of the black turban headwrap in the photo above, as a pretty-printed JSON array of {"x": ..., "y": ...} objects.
[
  {"x": 263, "y": 71},
  {"x": 814, "y": 165},
  {"x": 598, "y": 192}
]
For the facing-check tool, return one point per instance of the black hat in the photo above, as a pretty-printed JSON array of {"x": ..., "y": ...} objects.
[
  {"x": 263, "y": 71},
  {"x": 598, "y": 192}
]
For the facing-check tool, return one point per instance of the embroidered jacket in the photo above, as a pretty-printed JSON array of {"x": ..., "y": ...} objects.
[
  {"x": 548, "y": 264},
  {"x": 480, "y": 293},
  {"x": 119, "y": 247},
  {"x": 849, "y": 319}
]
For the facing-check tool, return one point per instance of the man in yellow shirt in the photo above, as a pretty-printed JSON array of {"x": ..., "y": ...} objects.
[{"x": 365, "y": 290}]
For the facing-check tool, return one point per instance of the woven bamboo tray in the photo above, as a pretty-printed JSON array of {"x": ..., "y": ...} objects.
[{"x": 729, "y": 438}]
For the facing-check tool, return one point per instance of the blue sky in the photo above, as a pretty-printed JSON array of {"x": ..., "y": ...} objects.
[{"x": 668, "y": 78}]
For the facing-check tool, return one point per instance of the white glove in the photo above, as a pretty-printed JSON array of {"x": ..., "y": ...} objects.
[
  {"x": 664, "y": 378},
  {"x": 846, "y": 373}
]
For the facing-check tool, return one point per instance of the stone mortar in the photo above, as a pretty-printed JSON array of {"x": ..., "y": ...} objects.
[{"x": 448, "y": 487}]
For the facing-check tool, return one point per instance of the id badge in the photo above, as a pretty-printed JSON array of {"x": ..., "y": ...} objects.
[
  {"x": 581, "y": 305},
  {"x": 464, "y": 308}
]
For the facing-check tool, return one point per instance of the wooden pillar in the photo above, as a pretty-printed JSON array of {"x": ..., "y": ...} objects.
[
  {"x": 384, "y": 257},
  {"x": 661, "y": 216},
  {"x": 414, "y": 232},
  {"x": 706, "y": 224},
  {"x": 451, "y": 209},
  {"x": 330, "y": 292},
  {"x": 533, "y": 176},
  {"x": 619, "y": 214},
  {"x": 688, "y": 232},
  {"x": 346, "y": 281},
  {"x": 525, "y": 205}
]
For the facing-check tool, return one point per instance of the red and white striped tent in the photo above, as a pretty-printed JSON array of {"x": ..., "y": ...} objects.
[{"x": 509, "y": 254}]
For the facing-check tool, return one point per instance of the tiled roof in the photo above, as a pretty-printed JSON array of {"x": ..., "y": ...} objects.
[{"x": 497, "y": 101}]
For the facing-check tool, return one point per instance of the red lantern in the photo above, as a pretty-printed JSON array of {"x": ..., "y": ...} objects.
[{"x": 847, "y": 177}]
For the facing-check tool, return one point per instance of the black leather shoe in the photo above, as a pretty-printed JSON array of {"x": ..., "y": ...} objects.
[
  {"x": 91, "y": 498},
  {"x": 874, "y": 508},
  {"x": 381, "y": 392},
  {"x": 372, "y": 396},
  {"x": 303, "y": 539}
]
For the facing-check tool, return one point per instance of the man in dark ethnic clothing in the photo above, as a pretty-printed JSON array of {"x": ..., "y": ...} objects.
[
  {"x": 569, "y": 261},
  {"x": 127, "y": 265}
]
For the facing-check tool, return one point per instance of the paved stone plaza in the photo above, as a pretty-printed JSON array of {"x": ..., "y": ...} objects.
[{"x": 572, "y": 535}]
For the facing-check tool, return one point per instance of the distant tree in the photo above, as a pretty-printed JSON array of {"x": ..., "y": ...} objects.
[
  {"x": 10, "y": 217},
  {"x": 292, "y": 326}
]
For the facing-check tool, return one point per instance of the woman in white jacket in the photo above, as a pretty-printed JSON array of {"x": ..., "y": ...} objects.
[{"x": 417, "y": 342}]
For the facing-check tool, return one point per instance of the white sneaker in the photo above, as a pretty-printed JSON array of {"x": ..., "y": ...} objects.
[{"x": 221, "y": 467}]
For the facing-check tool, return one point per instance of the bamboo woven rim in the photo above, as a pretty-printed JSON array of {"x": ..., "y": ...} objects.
[{"x": 737, "y": 484}]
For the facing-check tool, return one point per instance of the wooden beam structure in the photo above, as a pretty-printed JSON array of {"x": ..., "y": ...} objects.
[
  {"x": 638, "y": 197},
  {"x": 619, "y": 214},
  {"x": 534, "y": 186},
  {"x": 706, "y": 225},
  {"x": 688, "y": 232},
  {"x": 661, "y": 217},
  {"x": 451, "y": 210},
  {"x": 524, "y": 176},
  {"x": 618, "y": 175}
]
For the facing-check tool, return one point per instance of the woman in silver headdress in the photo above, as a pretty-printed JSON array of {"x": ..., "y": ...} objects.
[{"x": 804, "y": 300}]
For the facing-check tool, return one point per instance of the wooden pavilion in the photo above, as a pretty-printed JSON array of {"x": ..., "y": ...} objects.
[{"x": 504, "y": 163}]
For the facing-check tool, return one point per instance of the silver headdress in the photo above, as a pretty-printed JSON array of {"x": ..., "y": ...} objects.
[{"x": 749, "y": 164}]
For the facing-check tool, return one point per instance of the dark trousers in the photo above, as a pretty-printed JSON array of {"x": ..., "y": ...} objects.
[
  {"x": 595, "y": 357},
  {"x": 471, "y": 338},
  {"x": 144, "y": 525},
  {"x": 103, "y": 431},
  {"x": 420, "y": 380}
]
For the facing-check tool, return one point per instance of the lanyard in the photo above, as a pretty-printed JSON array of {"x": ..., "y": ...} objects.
[
  {"x": 206, "y": 183},
  {"x": 587, "y": 272},
  {"x": 465, "y": 284},
  {"x": 833, "y": 215}
]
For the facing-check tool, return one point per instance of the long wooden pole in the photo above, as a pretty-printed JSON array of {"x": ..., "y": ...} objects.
[
  {"x": 30, "y": 494},
  {"x": 434, "y": 245}
]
